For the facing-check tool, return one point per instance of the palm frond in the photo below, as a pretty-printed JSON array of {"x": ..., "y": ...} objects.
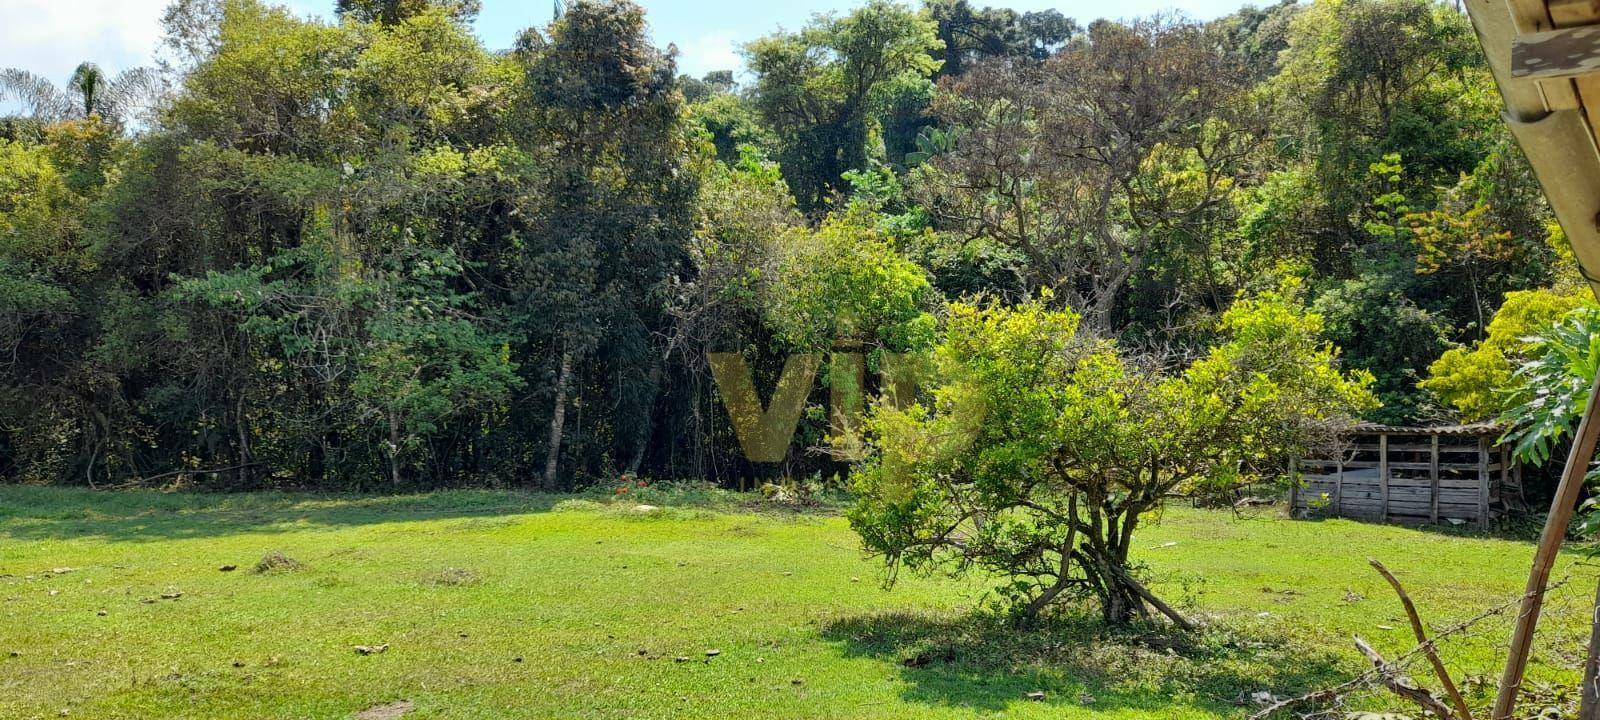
[
  {"x": 135, "y": 92},
  {"x": 43, "y": 100}
]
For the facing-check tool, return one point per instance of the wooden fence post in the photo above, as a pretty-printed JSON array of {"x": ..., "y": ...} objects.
[
  {"x": 1433, "y": 481},
  {"x": 1383, "y": 475},
  {"x": 1483, "y": 483},
  {"x": 1555, "y": 529},
  {"x": 1338, "y": 485},
  {"x": 1294, "y": 487}
]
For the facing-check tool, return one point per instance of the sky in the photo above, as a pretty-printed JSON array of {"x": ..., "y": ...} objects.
[{"x": 50, "y": 37}]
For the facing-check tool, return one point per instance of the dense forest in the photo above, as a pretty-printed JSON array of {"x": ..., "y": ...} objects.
[{"x": 374, "y": 253}]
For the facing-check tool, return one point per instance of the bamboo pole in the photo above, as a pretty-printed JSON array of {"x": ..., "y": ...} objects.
[
  {"x": 1589, "y": 693},
  {"x": 1555, "y": 529}
]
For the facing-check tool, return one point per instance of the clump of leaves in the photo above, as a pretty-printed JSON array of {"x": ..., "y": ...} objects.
[
  {"x": 1474, "y": 380},
  {"x": 1552, "y": 387}
]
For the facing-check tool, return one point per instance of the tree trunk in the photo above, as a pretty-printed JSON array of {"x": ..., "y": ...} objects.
[
  {"x": 394, "y": 449},
  {"x": 243, "y": 430},
  {"x": 649, "y": 421},
  {"x": 1064, "y": 573},
  {"x": 558, "y": 420}
]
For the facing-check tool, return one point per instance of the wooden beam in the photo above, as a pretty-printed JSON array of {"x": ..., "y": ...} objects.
[
  {"x": 1483, "y": 484},
  {"x": 1567, "y": 13},
  {"x": 1572, "y": 13},
  {"x": 1383, "y": 473},
  {"x": 1338, "y": 486},
  {"x": 1433, "y": 482},
  {"x": 1544, "y": 558},
  {"x": 1532, "y": 16},
  {"x": 1565, "y": 53}
]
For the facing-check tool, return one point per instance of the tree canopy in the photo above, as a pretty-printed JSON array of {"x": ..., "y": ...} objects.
[{"x": 371, "y": 252}]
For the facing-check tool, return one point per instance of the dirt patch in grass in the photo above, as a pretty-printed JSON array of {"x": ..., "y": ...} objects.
[
  {"x": 386, "y": 711},
  {"x": 451, "y": 577}
]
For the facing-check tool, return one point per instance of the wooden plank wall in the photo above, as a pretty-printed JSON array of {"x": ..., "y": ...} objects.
[{"x": 1407, "y": 478}]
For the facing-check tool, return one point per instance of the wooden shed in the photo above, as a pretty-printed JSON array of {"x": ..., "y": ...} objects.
[{"x": 1413, "y": 474}]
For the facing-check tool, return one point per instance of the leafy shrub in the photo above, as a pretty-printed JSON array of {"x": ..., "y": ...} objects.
[{"x": 1040, "y": 448}]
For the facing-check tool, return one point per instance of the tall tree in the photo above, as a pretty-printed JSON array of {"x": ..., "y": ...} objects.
[
  {"x": 608, "y": 233},
  {"x": 819, "y": 88},
  {"x": 971, "y": 35},
  {"x": 393, "y": 12},
  {"x": 1132, "y": 134}
]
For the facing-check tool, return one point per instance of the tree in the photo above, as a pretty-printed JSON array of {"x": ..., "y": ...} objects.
[
  {"x": 394, "y": 12},
  {"x": 1384, "y": 332},
  {"x": 607, "y": 235},
  {"x": 731, "y": 123},
  {"x": 1079, "y": 166},
  {"x": 717, "y": 82},
  {"x": 819, "y": 89},
  {"x": 1363, "y": 78},
  {"x": 971, "y": 35},
  {"x": 844, "y": 286},
  {"x": 1477, "y": 233},
  {"x": 90, "y": 92},
  {"x": 1477, "y": 380},
  {"x": 1041, "y": 448}
]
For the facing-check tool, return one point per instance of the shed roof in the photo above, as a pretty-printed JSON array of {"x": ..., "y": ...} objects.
[{"x": 1482, "y": 429}]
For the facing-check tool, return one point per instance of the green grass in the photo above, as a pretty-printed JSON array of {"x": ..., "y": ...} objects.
[{"x": 508, "y": 605}]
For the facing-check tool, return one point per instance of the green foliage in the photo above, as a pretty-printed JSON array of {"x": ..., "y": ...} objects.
[
  {"x": 371, "y": 248},
  {"x": 731, "y": 123},
  {"x": 1552, "y": 386},
  {"x": 846, "y": 285},
  {"x": 39, "y": 211},
  {"x": 820, "y": 89},
  {"x": 1477, "y": 380},
  {"x": 1040, "y": 448},
  {"x": 972, "y": 35},
  {"x": 394, "y": 12},
  {"x": 397, "y": 349},
  {"x": 1387, "y": 211},
  {"x": 1383, "y": 332}
]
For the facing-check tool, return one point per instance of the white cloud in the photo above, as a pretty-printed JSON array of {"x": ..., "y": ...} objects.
[
  {"x": 50, "y": 37},
  {"x": 708, "y": 52}
]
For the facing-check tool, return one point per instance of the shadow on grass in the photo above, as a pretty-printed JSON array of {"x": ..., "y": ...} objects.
[
  {"x": 40, "y": 513},
  {"x": 1524, "y": 527},
  {"x": 48, "y": 513},
  {"x": 981, "y": 661}
]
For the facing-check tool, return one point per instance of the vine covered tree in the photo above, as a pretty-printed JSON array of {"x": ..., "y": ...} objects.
[{"x": 820, "y": 89}]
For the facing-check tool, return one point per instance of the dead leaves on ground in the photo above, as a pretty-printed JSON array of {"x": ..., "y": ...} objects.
[{"x": 386, "y": 711}]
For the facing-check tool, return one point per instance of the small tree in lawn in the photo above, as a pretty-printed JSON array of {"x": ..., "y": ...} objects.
[{"x": 1039, "y": 449}]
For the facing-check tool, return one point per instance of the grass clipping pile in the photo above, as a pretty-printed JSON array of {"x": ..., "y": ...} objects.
[{"x": 276, "y": 562}]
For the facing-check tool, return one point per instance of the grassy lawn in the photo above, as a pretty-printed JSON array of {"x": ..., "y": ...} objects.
[{"x": 508, "y": 605}]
